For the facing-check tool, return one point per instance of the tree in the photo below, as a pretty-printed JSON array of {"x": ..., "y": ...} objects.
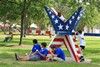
[
  {"x": 22, "y": 8},
  {"x": 90, "y": 18}
]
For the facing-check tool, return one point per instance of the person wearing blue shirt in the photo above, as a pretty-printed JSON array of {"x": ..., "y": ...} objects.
[
  {"x": 35, "y": 47},
  {"x": 36, "y": 56},
  {"x": 57, "y": 54},
  {"x": 43, "y": 52}
]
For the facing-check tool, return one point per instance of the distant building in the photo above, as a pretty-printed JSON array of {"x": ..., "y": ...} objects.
[{"x": 4, "y": 25}]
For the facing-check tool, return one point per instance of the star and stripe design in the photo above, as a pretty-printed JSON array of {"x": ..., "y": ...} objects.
[
  {"x": 61, "y": 27},
  {"x": 79, "y": 17}
]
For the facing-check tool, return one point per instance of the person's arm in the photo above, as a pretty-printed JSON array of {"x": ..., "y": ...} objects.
[
  {"x": 32, "y": 53},
  {"x": 43, "y": 55},
  {"x": 54, "y": 55}
]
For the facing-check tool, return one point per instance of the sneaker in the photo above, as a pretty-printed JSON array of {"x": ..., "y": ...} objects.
[
  {"x": 16, "y": 57},
  {"x": 82, "y": 59}
]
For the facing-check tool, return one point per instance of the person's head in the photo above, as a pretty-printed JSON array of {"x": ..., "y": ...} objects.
[
  {"x": 53, "y": 47},
  {"x": 35, "y": 41},
  {"x": 59, "y": 14},
  {"x": 44, "y": 44},
  {"x": 79, "y": 32}
]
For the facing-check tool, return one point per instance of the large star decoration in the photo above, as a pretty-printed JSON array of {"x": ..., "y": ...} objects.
[
  {"x": 56, "y": 21},
  {"x": 67, "y": 27},
  {"x": 52, "y": 16},
  {"x": 60, "y": 27}
]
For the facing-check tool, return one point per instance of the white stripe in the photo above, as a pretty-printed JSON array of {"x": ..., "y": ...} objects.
[
  {"x": 34, "y": 31},
  {"x": 78, "y": 55},
  {"x": 77, "y": 49},
  {"x": 72, "y": 43},
  {"x": 66, "y": 43},
  {"x": 57, "y": 43},
  {"x": 52, "y": 32},
  {"x": 43, "y": 32},
  {"x": 52, "y": 40}
]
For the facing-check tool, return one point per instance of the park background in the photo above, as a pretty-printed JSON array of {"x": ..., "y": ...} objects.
[{"x": 18, "y": 15}]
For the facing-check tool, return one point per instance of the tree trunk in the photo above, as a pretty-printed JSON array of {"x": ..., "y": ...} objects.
[
  {"x": 10, "y": 29},
  {"x": 25, "y": 24},
  {"x": 91, "y": 30},
  {"x": 4, "y": 27},
  {"x": 23, "y": 16},
  {"x": 21, "y": 34},
  {"x": 22, "y": 21}
]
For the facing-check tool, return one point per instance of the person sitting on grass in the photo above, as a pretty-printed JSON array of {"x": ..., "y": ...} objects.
[
  {"x": 35, "y": 47},
  {"x": 36, "y": 56},
  {"x": 57, "y": 54},
  {"x": 8, "y": 37}
]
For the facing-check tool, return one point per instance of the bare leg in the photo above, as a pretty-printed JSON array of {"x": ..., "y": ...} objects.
[
  {"x": 81, "y": 50},
  {"x": 49, "y": 57},
  {"x": 82, "y": 57},
  {"x": 23, "y": 58}
]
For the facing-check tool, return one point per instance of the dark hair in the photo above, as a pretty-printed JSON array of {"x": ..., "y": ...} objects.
[
  {"x": 44, "y": 44},
  {"x": 53, "y": 46},
  {"x": 59, "y": 14},
  {"x": 80, "y": 31},
  {"x": 35, "y": 41}
]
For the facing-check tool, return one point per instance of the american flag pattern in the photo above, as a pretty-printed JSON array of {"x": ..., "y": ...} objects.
[
  {"x": 79, "y": 17},
  {"x": 65, "y": 29},
  {"x": 69, "y": 43},
  {"x": 61, "y": 27}
]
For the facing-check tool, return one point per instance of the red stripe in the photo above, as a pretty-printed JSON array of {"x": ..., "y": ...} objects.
[
  {"x": 65, "y": 45},
  {"x": 76, "y": 46},
  {"x": 38, "y": 31},
  {"x": 59, "y": 39},
  {"x": 47, "y": 32},
  {"x": 29, "y": 31},
  {"x": 76, "y": 58},
  {"x": 53, "y": 11},
  {"x": 74, "y": 40},
  {"x": 57, "y": 45},
  {"x": 78, "y": 52}
]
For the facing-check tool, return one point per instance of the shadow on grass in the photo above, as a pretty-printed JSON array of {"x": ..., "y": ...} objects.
[{"x": 5, "y": 45}]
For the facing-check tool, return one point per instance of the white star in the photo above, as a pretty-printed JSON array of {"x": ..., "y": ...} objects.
[
  {"x": 50, "y": 12},
  {"x": 78, "y": 18},
  {"x": 72, "y": 17},
  {"x": 56, "y": 21},
  {"x": 75, "y": 13},
  {"x": 67, "y": 27},
  {"x": 70, "y": 21},
  {"x": 60, "y": 27},
  {"x": 52, "y": 16},
  {"x": 80, "y": 14}
]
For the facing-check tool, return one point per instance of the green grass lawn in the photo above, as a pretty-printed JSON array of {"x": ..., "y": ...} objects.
[{"x": 7, "y": 58}]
